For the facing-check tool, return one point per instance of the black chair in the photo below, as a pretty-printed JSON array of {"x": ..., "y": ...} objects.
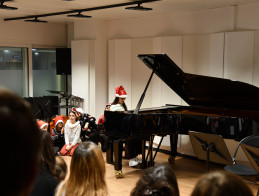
[{"x": 252, "y": 141}]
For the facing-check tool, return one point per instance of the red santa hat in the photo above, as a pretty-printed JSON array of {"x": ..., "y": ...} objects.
[
  {"x": 41, "y": 124},
  {"x": 75, "y": 111},
  {"x": 120, "y": 92},
  {"x": 58, "y": 119}
]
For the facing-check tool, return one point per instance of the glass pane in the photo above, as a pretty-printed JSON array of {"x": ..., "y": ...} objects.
[
  {"x": 44, "y": 73},
  {"x": 14, "y": 69}
]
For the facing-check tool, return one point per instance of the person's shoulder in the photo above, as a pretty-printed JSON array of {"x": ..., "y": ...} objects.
[{"x": 116, "y": 107}]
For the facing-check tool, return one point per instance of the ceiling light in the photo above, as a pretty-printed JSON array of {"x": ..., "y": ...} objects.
[
  {"x": 79, "y": 15},
  {"x": 36, "y": 20},
  {"x": 2, "y": 6},
  {"x": 139, "y": 8}
]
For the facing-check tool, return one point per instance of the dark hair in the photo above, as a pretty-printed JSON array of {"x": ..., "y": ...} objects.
[
  {"x": 48, "y": 155},
  {"x": 74, "y": 112},
  {"x": 116, "y": 101},
  {"x": 22, "y": 154},
  {"x": 157, "y": 181},
  {"x": 221, "y": 183}
]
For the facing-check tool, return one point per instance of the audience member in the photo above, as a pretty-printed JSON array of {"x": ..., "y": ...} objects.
[
  {"x": 72, "y": 134},
  {"x": 42, "y": 125},
  {"x": 87, "y": 173},
  {"x": 46, "y": 183},
  {"x": 157, "y": 181},
  {"x": 89, "y": 130},
  {"x": 103, "y": 138},
  {"x": 57, "y": 134},
  {"x": 61, "y": 168},
  {"x": 21, "y": 138},
  {"x": 221, "y": 183}
]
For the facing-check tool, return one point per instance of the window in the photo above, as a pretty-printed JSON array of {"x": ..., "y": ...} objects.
[
  {"x": 44, "y": 73},
  {"x": 14, "y": 69}
]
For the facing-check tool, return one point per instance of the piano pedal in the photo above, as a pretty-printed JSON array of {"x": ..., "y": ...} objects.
[
  {"x": 118, "y": 174},
  {"x": 171, "y": 160}
]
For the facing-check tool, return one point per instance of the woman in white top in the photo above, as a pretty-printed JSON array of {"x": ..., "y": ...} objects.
[{"x": 72, "y": 135}]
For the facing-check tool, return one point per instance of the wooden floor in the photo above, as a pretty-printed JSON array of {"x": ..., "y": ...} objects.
[{"x": 187, "y": 172}]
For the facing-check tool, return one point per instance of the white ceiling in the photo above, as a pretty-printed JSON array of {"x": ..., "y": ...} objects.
[{"x": 36, "y": 7}]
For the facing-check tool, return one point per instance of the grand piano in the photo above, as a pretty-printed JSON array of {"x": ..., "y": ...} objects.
[{"x": 217, "y": 106}]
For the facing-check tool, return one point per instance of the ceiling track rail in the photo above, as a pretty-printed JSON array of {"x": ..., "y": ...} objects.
[{"x": 80, "y": 10}]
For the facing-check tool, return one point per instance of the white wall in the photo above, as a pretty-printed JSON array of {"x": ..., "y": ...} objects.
[
  {"x": 96, "y": 32},
  {"x": 35, "y": 34}
]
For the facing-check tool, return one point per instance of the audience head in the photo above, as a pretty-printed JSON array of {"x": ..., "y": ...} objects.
[
  {"x": 61, "y": 168},
  {"x": 157, "y": 181},
  {"x": 48, "y": 160},
  {"x": 107, "y": 107},
  {"x": 87, "y": 164},
  {"x": 59, "y": 123},
  {"x": 73, "y": 115},
  {"x": 21, "y": 138},
  {"x": 221, "y": 183},
  {"x": 42, "y": 125}
]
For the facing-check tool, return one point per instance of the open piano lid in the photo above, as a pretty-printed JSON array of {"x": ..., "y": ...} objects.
[{"x": 197, "y": 90}]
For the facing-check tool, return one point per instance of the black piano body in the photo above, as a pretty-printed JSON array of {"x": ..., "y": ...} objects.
[{"x": 218, "y": 106}]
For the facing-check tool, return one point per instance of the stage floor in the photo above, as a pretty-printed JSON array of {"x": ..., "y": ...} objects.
[{"x": 187, "y": 171}]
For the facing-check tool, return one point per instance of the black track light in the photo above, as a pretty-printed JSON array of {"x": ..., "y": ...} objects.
[
  {"x": 139, "y": 8},
  {"x": 79, "y": 15},
  {"x": 2, "y": 6},
  {"x": 36, "y": 20}
]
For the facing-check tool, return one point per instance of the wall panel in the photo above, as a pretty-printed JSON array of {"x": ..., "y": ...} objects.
[
  {"x": 238, "y": 57},
  {"x": 140, "y": 72}
]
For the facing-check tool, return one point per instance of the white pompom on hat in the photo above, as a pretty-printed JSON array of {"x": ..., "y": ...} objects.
[
  {"x": 120, "y": 92},
  {"x": 41, "y": 124},
  {"x": 80, "y": 110}
]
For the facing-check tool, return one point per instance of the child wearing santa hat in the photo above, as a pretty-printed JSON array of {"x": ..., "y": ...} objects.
[
  {"x": 89, "y": 130},
  {"x": 42, "y": 125},
  {"x": 57, "y": 134},
  {"x": 134, "y": 146},
  {"x": 119, "y": 102}
]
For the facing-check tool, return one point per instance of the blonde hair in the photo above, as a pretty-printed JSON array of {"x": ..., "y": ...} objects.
[
  {"x": 87, "y": 172},
  {"x": 61, "y": 168}
]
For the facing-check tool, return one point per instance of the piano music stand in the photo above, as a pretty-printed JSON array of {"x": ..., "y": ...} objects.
[
  {"x": 252, "y": 154},
  {"x": 211, "y": 148}
]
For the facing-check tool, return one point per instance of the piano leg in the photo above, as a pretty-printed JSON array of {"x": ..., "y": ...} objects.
[
  {"x": 173, "y": 142},
  {"x": 143, "y": 164},
  {"x": 117, "y": 148},
  {"x": 109, "y": 152}
]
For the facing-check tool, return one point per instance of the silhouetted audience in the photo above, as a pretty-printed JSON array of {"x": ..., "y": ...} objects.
[
  {"x": 46, "y": 183},
  {"x": 221, "y": 183},
  {"x": 21, "y": 139},
  {"x": 157, "y": 181}
]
